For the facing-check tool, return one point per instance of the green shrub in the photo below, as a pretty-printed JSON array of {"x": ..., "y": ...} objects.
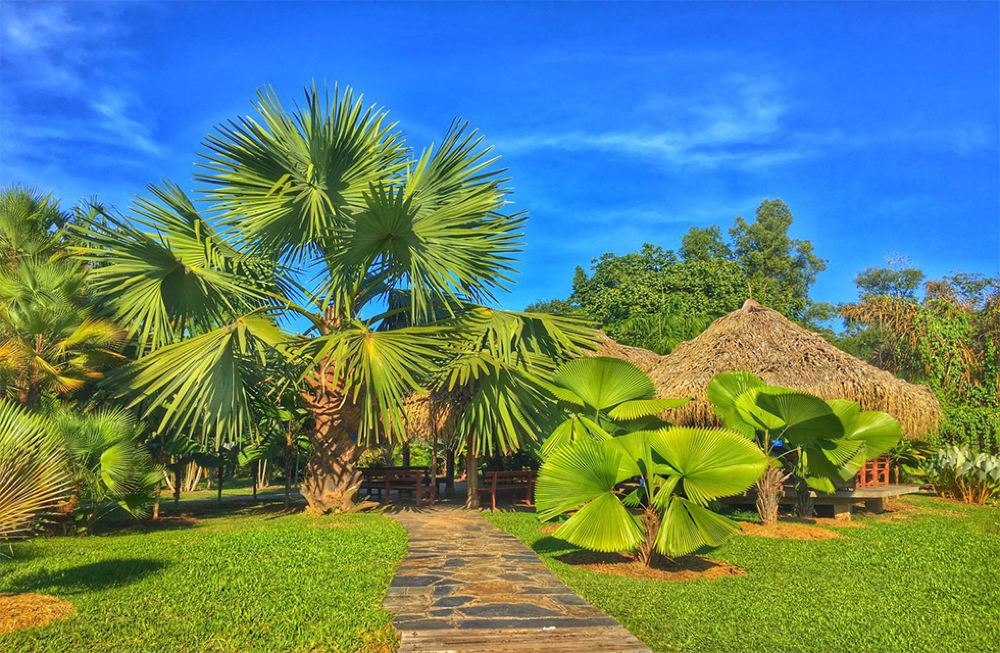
[
  {"x": 963, "y": 474},
  {"x": 977, "y": 427}
]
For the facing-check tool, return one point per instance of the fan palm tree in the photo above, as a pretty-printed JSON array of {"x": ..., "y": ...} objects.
[
  {"x": 110, "y": 465},
  {"x": 817, "y": 442},
  {"x": 323, "y": 215},
  {"x": 647, "y": 491},
  {"x": 49, "y": 338},
  {"x": 34, "y": 475},
  {"x": 601, "y": 397},
  {"x": 30, "y": 226}
]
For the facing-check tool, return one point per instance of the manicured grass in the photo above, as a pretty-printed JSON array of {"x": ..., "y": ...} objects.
[
  {"x": 927, "y": 580},
  {"x": 251, "y": 581}
]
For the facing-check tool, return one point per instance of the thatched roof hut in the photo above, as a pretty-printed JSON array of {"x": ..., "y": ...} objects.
[
  {"x": 762, "y": 341},
  {"x": 642, "y": 358}
]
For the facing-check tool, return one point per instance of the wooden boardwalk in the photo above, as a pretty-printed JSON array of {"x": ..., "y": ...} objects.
[{"x": 465, "y": 586}]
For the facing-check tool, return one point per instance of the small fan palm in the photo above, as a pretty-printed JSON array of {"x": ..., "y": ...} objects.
[
  {"x": 34, "y": 474},
  {"x": 49, "y": 341},
  {"x": 111, "y": 465},
  {"x": 602, "y": 397},
  {"x": 647, "y": 491},
  {"x": 817, "y": 442}
]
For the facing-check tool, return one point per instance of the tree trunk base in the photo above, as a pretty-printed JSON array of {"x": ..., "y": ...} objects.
[{"x": 769, "y": 489}]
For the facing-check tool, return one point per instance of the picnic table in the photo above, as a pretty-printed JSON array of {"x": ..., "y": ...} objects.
[
  {"x": 412, "y": 480},
  {"x": 518, "y": 482}
]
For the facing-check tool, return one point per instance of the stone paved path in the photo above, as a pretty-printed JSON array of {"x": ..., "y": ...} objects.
[{"x": 467, "y": 586}]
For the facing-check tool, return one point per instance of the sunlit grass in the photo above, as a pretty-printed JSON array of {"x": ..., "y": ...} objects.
[
  {"x": 926, "y": 580},
  {"x": 254, "y": 581}
]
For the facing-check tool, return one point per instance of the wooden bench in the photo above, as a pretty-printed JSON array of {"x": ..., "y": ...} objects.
[
  {"x": 516, "y": 482},
  {"x": 414, "y": 480}
]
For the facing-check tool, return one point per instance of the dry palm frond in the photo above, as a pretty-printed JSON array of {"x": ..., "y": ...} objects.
[{"x": 34, "y": 477}]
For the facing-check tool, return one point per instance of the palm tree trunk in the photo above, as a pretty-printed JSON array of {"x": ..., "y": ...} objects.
[
  {"x": 288, "y": 469},
  {"x": 647, "y": 548},
  {"x": 471, "y": 475},
  {"x": 222, "y": 464},
  {"x": 256, "y": 471},
  {"x": 332, "y": 478},
  {"x": 769, "y": 489}
]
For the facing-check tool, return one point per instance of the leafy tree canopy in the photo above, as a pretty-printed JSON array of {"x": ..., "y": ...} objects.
[{"x": 656, "y": 297}]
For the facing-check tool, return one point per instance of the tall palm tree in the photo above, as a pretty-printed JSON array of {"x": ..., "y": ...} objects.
[{"x": 324, "y": 216}]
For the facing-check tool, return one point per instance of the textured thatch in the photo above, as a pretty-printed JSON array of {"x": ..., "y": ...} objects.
[
  {"x": 642, "y": 358},
  {"x": 429, "y": 413},
  {"x": 762, "y": 341}
]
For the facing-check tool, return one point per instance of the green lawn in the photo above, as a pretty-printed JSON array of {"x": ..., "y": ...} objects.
[
  {"x": 930, "y": 582},
  {"x": 252, "y": 581}
]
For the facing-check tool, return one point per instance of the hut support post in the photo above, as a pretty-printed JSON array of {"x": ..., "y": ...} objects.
[
  {"x": 449, "y": 468},
  {"x": 471, "y": 474}
]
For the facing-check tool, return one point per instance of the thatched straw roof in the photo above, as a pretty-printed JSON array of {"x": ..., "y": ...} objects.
[
  {"x": 762, "y": 341},
  {"x": 642, "y": 358},
  {"x": 430, "y": 413}
]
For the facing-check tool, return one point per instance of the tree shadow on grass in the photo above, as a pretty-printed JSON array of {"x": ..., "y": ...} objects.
[
  {"x": 86, "y": 578},
  {"x": 549, "y": 545}
]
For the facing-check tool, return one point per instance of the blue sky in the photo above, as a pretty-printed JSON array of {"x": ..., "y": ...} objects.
[{"x": 620, "y": 123}]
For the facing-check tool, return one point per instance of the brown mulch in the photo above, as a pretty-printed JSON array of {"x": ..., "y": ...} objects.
[
  {"x": 788, "y": 530},
  {"x": 21, "y": 611},
  {"x": 548, "y": 529},
  {"x": 679, "y": 569}
]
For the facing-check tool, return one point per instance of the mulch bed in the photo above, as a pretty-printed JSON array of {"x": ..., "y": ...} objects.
[
  {"x": 679, "y": 569},
  {"x": 21, "y": 611}
]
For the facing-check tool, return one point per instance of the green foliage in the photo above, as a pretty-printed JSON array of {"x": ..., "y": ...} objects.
[
  {"x": 923, "y": 561},
  {"x": 894, "y": 281},
  {"x": 963, "y": 474},
  {"x": 820, "y": 443},
  {"x": 668, "y": 477},
  {"x": 31, "y": 226},
  {"x": 779, "y": 269},
  {"x": 950, "y": 340},
  {"x": 111, "y": 467},
  {"x": 599, "y": 397},
  {"x": 628, "y": 481},
  {"x": 396, "y": 244},
  {"x": 291, "y": 582},
  {"x": 51, "y": 341},
  {"x": 656, "y": 298},
  {"x": 34, "y": 476},
  {"x": 654, "y": 285}
]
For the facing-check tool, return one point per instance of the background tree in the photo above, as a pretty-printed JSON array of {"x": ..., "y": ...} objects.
[
  {"x": 779, "y": 269},
  {"x": 948, "y": 339},
  {"x": 655, "y": 298},
  {"x": 897, "y": 280}
]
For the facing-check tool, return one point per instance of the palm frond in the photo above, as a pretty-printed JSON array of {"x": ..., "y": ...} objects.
[{"x": 34, "y": 475}]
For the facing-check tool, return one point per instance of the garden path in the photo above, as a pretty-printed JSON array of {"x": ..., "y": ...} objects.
[{"x": 467, "y": 586}]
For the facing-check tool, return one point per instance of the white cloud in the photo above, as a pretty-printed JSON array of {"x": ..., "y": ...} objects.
[
  {"x": 67, "y": 80},
  {"x": 739, "y": 125},
  {"x": 743, "y": 122}
]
